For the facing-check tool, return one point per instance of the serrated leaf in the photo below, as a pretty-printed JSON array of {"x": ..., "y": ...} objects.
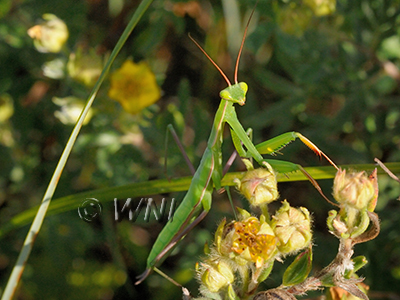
[{"x": 299, "y": 269}]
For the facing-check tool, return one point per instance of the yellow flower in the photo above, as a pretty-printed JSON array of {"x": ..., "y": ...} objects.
[
  {"x": 134, "y": 86},
  {"x": 251, "y": 240}
]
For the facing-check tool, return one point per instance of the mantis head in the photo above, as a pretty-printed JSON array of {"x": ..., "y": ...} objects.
[{"x": 235, "y": 93}]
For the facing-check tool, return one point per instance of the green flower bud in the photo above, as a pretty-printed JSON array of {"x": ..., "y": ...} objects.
[
  {"x": 216, "y": 275},
  {"x": 340, "y": 228},
  {"x": 6, "y": 107},
  {"x": 50, "y": 36},
  {"x": 321, "y": 7},
  {"x": 348, "y": 223},
  {"x": 85, "y": 66},
  {"x": 292, "y": 227},
  {"x": 357, "y": 190},
  {"x": 259, "y": 186},
  {"x": 294, "y": 19}
]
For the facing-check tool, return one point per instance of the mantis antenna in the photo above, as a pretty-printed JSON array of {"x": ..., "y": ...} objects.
[
  {"x": 211, "y": 60},
  {"x": 241, "y": 45},
  {"x": 239, "y": 54}
]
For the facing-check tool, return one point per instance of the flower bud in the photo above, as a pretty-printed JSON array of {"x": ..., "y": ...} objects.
[
  {"x": 85, "y": 66},
  {"x": 6, "y": 108},
  {"x": 70, "y": 110},
  {"x": 294, "y": 19},
  {"x": 259, "y": 186},
  {"x": 292, "y": 227},
  {"x": 50, "y": 36},
  {"x": 357, "y": 190},
  {"x": 340, "y": 228},
  {"x": 321, "y": 7},
  {"x": 216, "y": 275},
  {"x": 351, "y": 223}
]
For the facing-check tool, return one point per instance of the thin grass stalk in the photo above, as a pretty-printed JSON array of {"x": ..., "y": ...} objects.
[
  {"x": 160, "y": 186},
  {"x": 19, "y": 267}
]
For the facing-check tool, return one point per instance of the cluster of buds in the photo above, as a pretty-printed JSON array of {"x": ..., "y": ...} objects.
[
  {"x": 357, "y": 194},
  {"x": 84, "y": 65},
  {"x": 290, "y": 226},
  {"x": 242, "y": 253},
  {"x": 244, "y": 250}
]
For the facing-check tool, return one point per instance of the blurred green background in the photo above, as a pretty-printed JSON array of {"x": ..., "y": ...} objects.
[{"x": 328, "y": 70}]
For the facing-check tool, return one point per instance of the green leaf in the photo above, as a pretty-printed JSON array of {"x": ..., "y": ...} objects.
[
  {"x": 359, "y": 262},
  {"x": 265, "y": 273},
  {"x": 299, "y": 269}
]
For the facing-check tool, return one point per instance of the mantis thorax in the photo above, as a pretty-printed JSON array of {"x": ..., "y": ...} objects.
[{"x": 235, "y": 93}]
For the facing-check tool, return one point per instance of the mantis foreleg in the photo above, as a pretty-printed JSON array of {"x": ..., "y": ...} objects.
[{"x": 272, "y": 146}]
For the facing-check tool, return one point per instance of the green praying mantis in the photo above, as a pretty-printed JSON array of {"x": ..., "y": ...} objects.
[{"x": 209, "y": 172}]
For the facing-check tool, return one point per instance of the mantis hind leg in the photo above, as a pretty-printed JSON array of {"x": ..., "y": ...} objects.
[
  {"x": 172, "y": 131},
  {"x": 185, "y": 227},
  {"x": 171, "y": 245}
]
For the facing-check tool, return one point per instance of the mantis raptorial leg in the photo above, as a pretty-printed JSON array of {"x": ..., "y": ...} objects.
[{"x": 209, "y": 172}]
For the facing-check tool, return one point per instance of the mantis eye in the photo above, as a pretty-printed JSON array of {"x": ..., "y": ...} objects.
[
  {"x": 243, "y": 86},
  {"x": 226, "y": 95}
]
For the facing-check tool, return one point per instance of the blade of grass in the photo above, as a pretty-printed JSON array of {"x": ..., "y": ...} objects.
[
  {"x": 143, "y": 189},
  {"x": 38, "y": 220}
]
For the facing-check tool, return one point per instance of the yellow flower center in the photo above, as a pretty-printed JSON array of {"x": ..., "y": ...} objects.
[{"x": 248, "y": 241}]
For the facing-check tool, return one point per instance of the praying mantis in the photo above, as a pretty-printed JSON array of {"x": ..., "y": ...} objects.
[{"x": 209, "y": 172}]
